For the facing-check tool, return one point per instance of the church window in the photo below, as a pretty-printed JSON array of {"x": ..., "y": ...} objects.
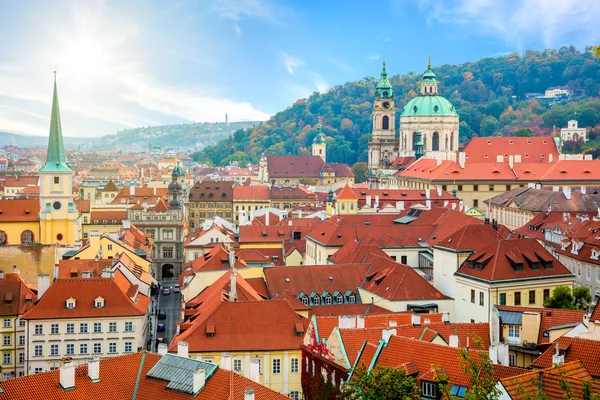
[
  {"x": 415, "y": 108},
  {"x": 386, "y": 123},
  {"x": 59, "y": 237},
  {"x": 56, "y": 180},
  {"x": 56, "y": 205},
  {"x": 26, "y": 237},
  {"x": 436, "y": 108},
  {"x": 435, "y": 141},
  {"x": 3, "y": 237}
]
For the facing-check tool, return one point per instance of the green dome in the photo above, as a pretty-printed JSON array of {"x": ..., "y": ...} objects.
[
  {"x": 319, "y": 139},
  {"x": 178, "y": 170},
  {"x": 429, "y": 106}
]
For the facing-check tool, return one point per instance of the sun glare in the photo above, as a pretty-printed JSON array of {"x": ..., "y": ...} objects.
[{"x": 84, "y": 58}]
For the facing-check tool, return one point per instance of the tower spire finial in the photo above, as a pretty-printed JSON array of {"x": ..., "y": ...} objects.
[
  {"x": 429, "y": 62},
  {"x": 55, "y": 158}
]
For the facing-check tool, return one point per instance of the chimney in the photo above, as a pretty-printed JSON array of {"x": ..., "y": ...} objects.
[
  {"x": 132, "y": 190},
  {"x": 154, "y": 191},
  {"x": 107, "y": 273},
  {"x": 567, "y": 192},
  {"x": 16, "y": 270},
  {"x": 453, "y": 339},
  {"x": 126, "y": 224},
  {"x": 94, "y": 369},
  {"x": 199, "y": 380},
  {"x": 427, "y": 193},
  {"x": 416, "y": 319},
  {"x": 233, "y": 286},
  {"x": 182, "y": 348},
  {"x": 249, "y": 394},
  {"x": 583, "y": 190},
  {"x": 267, "y": 218},
  {"x": 557, "y": 358},
  {"x": 162, "y": 349},
  {"x": 368, "y": 200},
  {"x": 55, "y": 271},
  {"x": 376, "y": 202},
  {"x": 67, "y": 375},
  {"x": 555, "y": 188},
  {"x": 232, "y": 258},
  {"x": 462, "y": 157},
  {"x": 386, "y": 334},
  {"x": 550, "y": 157},
  {"x": 538, "y": 186},
  {"x": 254, "y": 369},
  {"x": 43, "y": 284},
  {"x": 446, "y": 317},
  {"x": 439, "y": 191},
  {"x": 226, "y": 361}
]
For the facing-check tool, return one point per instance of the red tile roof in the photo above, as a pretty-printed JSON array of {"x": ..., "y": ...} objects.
[
  {"x": 574, "y": 349},
  {"x": 355, "y": 252},
  {"x": 108, "y": 217},
  {"x": 348, "y": 309},
  {"x": 248, "y": 193},
  {"x": 495, "y": 262},
  {"x": 19, "y": 211},
  {"x": 85, "y": 291},
  {"x": 295, "y": 166},
  {"x": 246, "y": 326},
  {"x": 17, "y": 296},
  {"x": 288, "y": 193},
  {"x": 471, "y": 237},
  {"x": 346, "y": 193},
  {"x": 119, "y": 380},
  {"x": 73, "y": 268},
  {"x": 550, "y": 317},
  {"x": 531, "y": 149},
  {"x": 216, "y": 259},
  {"x": 83, "y": 206}
]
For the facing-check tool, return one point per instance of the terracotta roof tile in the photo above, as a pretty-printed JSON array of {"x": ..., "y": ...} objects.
[
  {"x": 574, "y": 349},
  {"x": 531, "y": 149},
  {"x": 16, "y": 295},
  {"x": 19, "y": 211},
  {"x": 247, "y": 193}
]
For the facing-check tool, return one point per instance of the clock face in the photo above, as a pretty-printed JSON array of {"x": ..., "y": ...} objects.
[
  {"x": 56, "y": 205},
  {"x": 386, "y": 104}
]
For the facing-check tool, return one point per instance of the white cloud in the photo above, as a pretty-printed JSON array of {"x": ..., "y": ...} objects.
[
  {"x": 519, "y": 22},
  {"x": 373, "y": 57},
  {"x": 320, "y": 83},
  {"x": 290, "y": 63}
]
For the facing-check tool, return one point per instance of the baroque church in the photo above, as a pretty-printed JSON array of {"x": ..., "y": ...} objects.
[{"x": 428, "y": 128}]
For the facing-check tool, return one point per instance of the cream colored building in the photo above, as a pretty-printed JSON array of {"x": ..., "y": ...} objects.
[{"x": 573, "y": 132}]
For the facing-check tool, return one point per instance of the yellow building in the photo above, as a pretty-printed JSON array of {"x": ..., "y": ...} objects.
[
  {"x": 18, "y": 298},
  {"x": 247, "y": 199},
  {"x": 346, "y": 202},
  {"x": 103, "y": 246},
  {"x": 510, "y": 272}
]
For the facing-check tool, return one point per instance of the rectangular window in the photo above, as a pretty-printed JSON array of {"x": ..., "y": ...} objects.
[
  {"x": 429, "y": 390},
  {"x": 21, "y": 340},
  {"x": 70, "y": 328},
  {"x": 54, "y": 329},
  {"x": 475, "y": 203},
  {"x": 532, "y": 297},
  {"x": 481, "y": 298},
  {"x": 70, "y": 349},
  {"x": 83, "y": 348},
  {"x": 53, "y": 349},
  {"x": 56, "y": 180},
  {"x": 112, "y": 326},
  {"x": 128, "y": 347},
  {"x": 276, "y": 366},
  {"x": 460, "y": 188},
  {"x": 507, "y": 188},
  {"x": 546, "y": 294},
  {"x": 97, "y": 348},
  {"x": 128, "y": 326},
  {"x": 6, "y": 358},
  {"x": 22, "y": 321},
  {"x": 38, "y": 370},
  {"x": 38, "y": 350},
  {"x": 83, "y": 327},
  {"x": 473, "y": 296},
  {"x": 295, "y": 395},
  {"x": 517, "y": 298},
  {"x": 6, "y": 340},
  {"x": 21, "y": 358},
  {"x": 491, "y": 188},
  {"x": 97, "y": 327},
  {"x": 39, "y": 329},
  {"x": 514, "y": 333},
  {"x": 237, "y": 365},
  {"x": 475, "y": 188},
  {"x": 6, "y": 323},
  {"x": 502, "y": 299},
  {"x": 403, "y": 259},
  {"x": 112, "y": 347},
  {"x": 512, "y": 360},
  {"x": 294, "y": 365}
]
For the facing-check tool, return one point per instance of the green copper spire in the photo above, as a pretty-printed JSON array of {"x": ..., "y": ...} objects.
[
  {"x": 384, "y": 89},
  {"x": 429, "y": 75},
  {"x": 55, "y": 160},
  {"x": 319, "y": 139},
  {"x": 419, "y": 145}
]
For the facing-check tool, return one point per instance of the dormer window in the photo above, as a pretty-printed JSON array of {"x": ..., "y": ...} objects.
[
  {"x": 351, "y": 299},
  {"x": 71, "y": 303},
  {"x": 305, "y": 300},
  {"x": 99, "y": 302},
  {"x": 340, "y": 299},
  {"x": 317, "y": 300},
  {"x": 328, "y": 300}
]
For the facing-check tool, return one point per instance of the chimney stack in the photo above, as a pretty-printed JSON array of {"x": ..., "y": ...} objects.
[
  {"x": 557, "y": 358},
  {"x": 386, "y": 334},
  {"x": 446, "y": 317},
  {"x": 439, "y": 191},
  {"x": 416, "y": 319},
  {"x": 231, "y": 257},
  {"x": 453, "y": 339},
  {"x": 132, "y": 190},
  {"x": 182, "y": 348},
  {"x": 254, "y": 369},
  {"x": 376, "y": 202},
  {"x": 199, "y": 379},
  {"x": 1, "y": 274},
  {"x": 567, "y": 192},
  {"x": 16, "y": 270},
  {"x": 162, "y": 349},
  {"x": 55, "y": 271},
  {"x": 267, "y": 218},
  {"x": 67, "y": 375},
  {"x": 584, "y": 190},
  {"x": 43, "y": 284},
  {"x": 368, "y": 200},
  {"x": 226, "y": 361},
  {"x": 233, "y": 286},
  {"x": 249, "y": 394},
  {"x": 94, "y": 369}
]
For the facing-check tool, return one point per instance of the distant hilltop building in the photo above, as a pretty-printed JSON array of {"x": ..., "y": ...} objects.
[
  {"x": 573, "y": 132},
  {"x": 557, "y": 91}
]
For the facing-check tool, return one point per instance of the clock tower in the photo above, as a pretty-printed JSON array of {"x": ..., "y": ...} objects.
[
  {"x": 58, "y": 216},
  {"x": 383, "y": 145}
]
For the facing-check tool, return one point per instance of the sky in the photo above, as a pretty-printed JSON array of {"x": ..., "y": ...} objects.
[{"x": 130, "y": 63}]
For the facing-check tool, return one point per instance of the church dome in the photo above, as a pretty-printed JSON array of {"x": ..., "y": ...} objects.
[
  {"x": 429, "y": 106},
  {"x": 178, "y": 170},
  {"x": 174, "y": 186},
  {"x": 319, "y": 139}
]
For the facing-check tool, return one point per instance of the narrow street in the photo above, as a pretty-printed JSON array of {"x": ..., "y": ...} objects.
[{"x": 171, "y": 305}]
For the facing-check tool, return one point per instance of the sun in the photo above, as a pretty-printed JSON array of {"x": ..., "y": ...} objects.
[{"x": 84, "y": 58}]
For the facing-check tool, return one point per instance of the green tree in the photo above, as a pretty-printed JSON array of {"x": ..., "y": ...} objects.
[
  {"x": 360, "y": 171},
  {"x": 563, "y": 297},
  {"x": 597, "y": 51},
  {"x": 524, "y": 132},
  {"x": 381, "y": 383},
  {"x": 489, "y": 126},
  {"x": 478, "y": 366}
]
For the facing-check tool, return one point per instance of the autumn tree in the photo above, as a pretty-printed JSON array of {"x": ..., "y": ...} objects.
[
  {"x": 563, "y": 297},
  {"x": 360, "y": 170},
  {"x": 381, "y": 383}
]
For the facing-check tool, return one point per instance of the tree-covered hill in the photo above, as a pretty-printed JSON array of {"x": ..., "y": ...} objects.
[{"x": 489, "y": 95}]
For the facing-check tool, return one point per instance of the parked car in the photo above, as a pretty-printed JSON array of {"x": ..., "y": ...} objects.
[
  {"x": 166, "y": 291},
  {"x": 160, "y": 328},
  {"x": 162, "y": 315},
  {"x": 176, "y": 289}
]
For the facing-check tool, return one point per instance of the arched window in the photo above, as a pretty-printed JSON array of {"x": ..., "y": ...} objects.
[
  {"x": 351, "y": 299},
  {"x": 328, "y": 300},
  {"x": 3, "y": 238},
  {"x": 305, "y": 300},
  {"x": 340, "y": 299},
  {"x": 317, "y": 300},
  {"x": 435, "y": 141},
  {"x": 26, "y": 237},
  {"x": 414, "y": 140},
  {"x": 386, "y": 123},
  {"x": 452, "y": 141}
]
